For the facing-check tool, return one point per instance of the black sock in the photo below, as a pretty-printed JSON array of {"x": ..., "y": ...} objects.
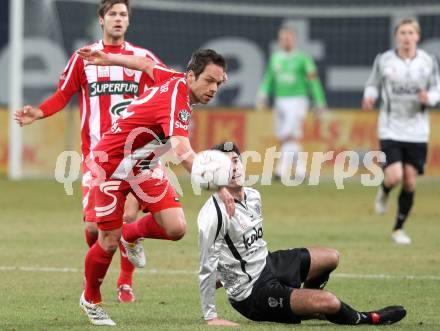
[
  {"x": 386, "y": 189},
  {"x": 405, "y": 203},
  {"x": 349, "y": 316},
  {"x": 317, "y": 282}
]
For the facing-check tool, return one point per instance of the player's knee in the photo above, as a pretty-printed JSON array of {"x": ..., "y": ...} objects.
[
  {"x": 394, "y": 180},
  {"x": 330, "y": 304},
  {"x": 178, "y": 230},
  {"x": 110, "y": 241},
  {"x": 333, "y": 258},
  {"x": 409, "y": 186},
  {"x": 91, "y": 228},
  {"x": 129, "y": 217}
]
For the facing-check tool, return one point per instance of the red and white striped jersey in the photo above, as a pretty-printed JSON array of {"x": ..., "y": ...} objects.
[
  {"x": 139, "y": 136},
  {"x": 103, "y": 91}
]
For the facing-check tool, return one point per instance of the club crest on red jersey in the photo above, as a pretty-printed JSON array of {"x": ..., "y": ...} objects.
[
  {"x": 103, "y": 71},
  {"x": 184, "y": 115}
]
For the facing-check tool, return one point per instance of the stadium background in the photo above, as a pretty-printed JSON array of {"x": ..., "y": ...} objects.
[
  {"x": 41, "y": 240},
  {"x": 342, "y": 36}
]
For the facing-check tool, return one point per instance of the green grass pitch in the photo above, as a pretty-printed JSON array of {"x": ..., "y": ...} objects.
[{"x": 42, "y": 232}]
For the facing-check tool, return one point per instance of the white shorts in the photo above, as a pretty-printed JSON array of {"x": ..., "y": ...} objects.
[{"x": 290, "y": 114}]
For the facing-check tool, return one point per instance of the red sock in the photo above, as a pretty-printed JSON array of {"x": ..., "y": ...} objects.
[
  {"x": 146, "y": 227},
  {"x": 96, "y": 266},
  {"x": 127, "y": 269},
  {"x": 91, "y": 237}
]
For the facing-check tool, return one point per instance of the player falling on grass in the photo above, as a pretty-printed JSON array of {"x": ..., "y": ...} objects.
[
  {"x": 103, "y": 92},
  {"x": 289, "y": 78},
  {"x": 126, "y": 158},
  {"x": 263, "y": 285},
  {"x": 408, "y": 81}
]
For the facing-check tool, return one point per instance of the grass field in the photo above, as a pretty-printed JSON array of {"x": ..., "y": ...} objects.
[{"x": 42, "y": 233}]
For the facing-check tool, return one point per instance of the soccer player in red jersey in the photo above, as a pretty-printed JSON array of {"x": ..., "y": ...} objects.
[
  {"x": 126, "y": 158},
  {"x": 103, "y": 92}
]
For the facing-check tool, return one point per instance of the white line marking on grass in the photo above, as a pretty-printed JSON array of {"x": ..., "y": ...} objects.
[{"x": 189, "y": 272}]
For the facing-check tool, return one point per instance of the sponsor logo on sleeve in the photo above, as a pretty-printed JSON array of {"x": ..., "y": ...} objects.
[{"x": 184, "y": 115}]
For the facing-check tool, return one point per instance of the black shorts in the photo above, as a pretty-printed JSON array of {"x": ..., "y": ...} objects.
[
  {"x": 285, "y": 271},
  {"x": 411, "y": 153}
]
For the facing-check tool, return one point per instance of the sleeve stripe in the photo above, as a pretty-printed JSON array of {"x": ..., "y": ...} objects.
[
  {"x": 72, "y": 66},
  {"x": 173, "y": 106},
  {"x": 157, "y": 66},
  {"x": 150, "y": 54},
  {"x": 219, "y": 218}
]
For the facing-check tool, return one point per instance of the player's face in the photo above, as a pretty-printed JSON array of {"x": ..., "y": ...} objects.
[
  {"x": 407, "y": 37},
  {"x": 115, "y": 22},
  {"x": 286, "y": 40},
  {"x": 237, "y": 179},
  {"x": 205, "y": 87}
]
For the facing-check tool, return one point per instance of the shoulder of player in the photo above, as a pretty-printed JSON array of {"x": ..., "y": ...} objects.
[
  {"x": 141, "y": 51},
  {"x": 384, "y": 56},
  {"x": 252, "y": 193},
  {"x": 208, "y": 215},
  {"x": 425, "y": 56}
]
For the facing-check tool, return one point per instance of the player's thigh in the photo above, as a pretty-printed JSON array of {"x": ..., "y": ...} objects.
[
  {"x": 269, "y": 301},
  {"x": 322, "y": 259},
  {"x": 109, "y": 200},
  {"x": 290, "y": 266}
]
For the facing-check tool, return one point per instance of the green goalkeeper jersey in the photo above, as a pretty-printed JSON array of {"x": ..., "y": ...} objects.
[{"x": 292, "y": 75}]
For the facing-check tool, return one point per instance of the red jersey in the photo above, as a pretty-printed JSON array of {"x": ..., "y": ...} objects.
[
  {"x": 103, "y": 91},
  {"x": 140, "y": 135}
]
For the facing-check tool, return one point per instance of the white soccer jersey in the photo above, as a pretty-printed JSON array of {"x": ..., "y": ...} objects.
[
  {"x": 401, "y": 116},
  {"x": 232, "y": 246}
]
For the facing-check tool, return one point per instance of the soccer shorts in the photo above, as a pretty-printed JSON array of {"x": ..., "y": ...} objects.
[
  {"x": 290, "y": 114},
  {"x": 154, "y": 194},
  {"x": 269, "y": 301},
  {"x": 405, "y": 152}
]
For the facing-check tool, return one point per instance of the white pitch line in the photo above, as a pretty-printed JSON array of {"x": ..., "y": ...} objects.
[{"x": 189, "y": 272}]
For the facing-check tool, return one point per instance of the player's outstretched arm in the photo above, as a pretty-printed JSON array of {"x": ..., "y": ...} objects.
[
  {"x": 27, "y": 115},
  {"x": 182, "y": 149},
  {"x": 99, "y": 58}
]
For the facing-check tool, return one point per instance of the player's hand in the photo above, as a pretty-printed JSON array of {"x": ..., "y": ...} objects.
[
  {"x": 228, "y": 200},
  {"x": 27, "y": 115},
  {"x": 320, "y": 112},
  {"x": 94, "y": 57},
  {"x": 220, "y": 322},
  {"x": 261, "y": 103},
  {"x": 367, "y": 103},
  {"x": 423, "y": 97}
]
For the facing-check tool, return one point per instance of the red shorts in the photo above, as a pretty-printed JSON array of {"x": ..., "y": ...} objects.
[{"x": 154, "y": 194}]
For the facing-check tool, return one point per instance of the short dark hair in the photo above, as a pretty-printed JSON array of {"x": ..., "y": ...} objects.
[
  {"x": 227, "y": 147},
  {"x": 201, "y": 58},
  {"x": 105, "y": 6}
]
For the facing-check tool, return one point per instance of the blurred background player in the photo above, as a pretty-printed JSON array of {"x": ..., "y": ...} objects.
[
  {"x": 153, "y": 124},
  {"x": 289, "y": 78},
  {"x": 408, "y": 80},
  {"x": 101, "y": 92},
  {"x": 263, "y": 285}
]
